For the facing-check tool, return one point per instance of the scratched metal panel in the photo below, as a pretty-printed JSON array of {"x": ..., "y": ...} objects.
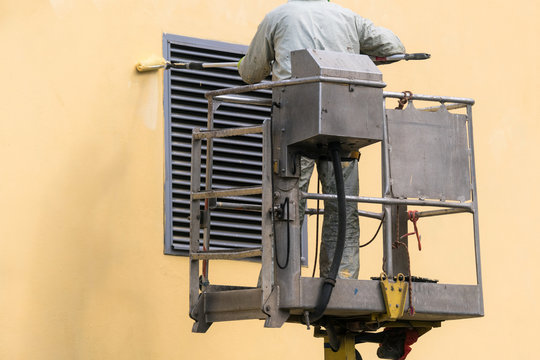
[{"x": 429, "y": 154}]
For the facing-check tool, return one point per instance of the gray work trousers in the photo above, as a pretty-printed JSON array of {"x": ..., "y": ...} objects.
[{"x": 350, "y": 263}]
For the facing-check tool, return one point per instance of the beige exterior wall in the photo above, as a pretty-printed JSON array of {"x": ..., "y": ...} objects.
[{"x": 82, "y": 270}]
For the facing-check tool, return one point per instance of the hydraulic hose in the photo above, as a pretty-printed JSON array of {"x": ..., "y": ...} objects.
[{"x": 330, "y": 280}]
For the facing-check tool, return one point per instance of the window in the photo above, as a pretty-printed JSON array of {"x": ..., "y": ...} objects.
[{"x": 237, "y": 161}]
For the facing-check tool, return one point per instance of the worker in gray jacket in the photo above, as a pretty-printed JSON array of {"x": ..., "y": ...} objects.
[{"x": 319, "y": 24}]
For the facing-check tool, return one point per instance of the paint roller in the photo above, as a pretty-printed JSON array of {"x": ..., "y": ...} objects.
[{"x": 155, "y": 63}]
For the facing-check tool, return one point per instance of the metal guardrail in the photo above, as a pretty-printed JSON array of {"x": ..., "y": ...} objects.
[{"x": 217, "y": 305}]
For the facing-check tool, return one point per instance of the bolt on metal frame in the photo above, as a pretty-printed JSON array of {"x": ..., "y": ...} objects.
[{"x": 209, "y": 303}]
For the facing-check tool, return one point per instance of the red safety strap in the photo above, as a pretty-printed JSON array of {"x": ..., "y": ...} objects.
[
  {"x": 413, "y": 216},
  {"x": 394, "y": 337},
  {"x": 411, "y": 338},
  {"x": 407, "y": 95}
]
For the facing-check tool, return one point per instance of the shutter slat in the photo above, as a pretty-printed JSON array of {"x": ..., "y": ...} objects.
[
  {"x": 215, "y": 74},
  {"x": 216, "y": 214},
  {"x": 233, "y": 143},
  {"x": 182, "y": 243},
  {"x": 240, "y": 237},
  {"x": 233, "y": 149},
  {"x": 182, "y": 203},
  {"x": 179, "y": 108},
  {"x": 224, "y": 164},
  {"x": 219, "y": 171},
  {"x": 227, "y": 179},
  {"x": 179, "y": 53}
]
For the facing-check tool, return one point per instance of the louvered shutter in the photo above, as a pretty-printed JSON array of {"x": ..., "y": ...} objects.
[{"x": 237, "y": 161}]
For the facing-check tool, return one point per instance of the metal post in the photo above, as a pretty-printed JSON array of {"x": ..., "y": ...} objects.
[
  {"x": 475, "y": 199},
  {"x": 212, "y": 107},
  {"x": 387, "y": 226},
  {"x": 400, "y": 257},
  {"x": 195, "y": 215},
  {"x": 286, "y": 196},
  {"x": 267, "y": 273}
]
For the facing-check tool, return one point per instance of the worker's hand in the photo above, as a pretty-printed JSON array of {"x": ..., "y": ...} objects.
[{"x": 240, "y": 61}]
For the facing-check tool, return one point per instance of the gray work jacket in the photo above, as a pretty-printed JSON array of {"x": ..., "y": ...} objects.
[{"x": 311, "y": 24}]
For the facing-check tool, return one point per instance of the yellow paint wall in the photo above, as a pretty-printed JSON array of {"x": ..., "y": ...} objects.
[{"x": 82, "y": 270}]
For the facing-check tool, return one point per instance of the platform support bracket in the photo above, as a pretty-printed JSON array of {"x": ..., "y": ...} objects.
[{"x": 395, "y": 295}]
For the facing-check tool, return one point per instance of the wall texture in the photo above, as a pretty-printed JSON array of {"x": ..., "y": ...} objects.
[{"x": 82, "y": 270}]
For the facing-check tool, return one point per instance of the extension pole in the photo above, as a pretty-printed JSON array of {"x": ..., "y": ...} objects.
[
  {"x": 160, "y": 63},
  {"x": 156, "y": 63}
]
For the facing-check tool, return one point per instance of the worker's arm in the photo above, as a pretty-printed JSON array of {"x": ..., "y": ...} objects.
[
  {"x": 257, "y": 64},
  {"x": 377, "y": 41}
]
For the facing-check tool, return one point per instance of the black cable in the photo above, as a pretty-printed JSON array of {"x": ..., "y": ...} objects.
[
  {"x": 330, "y": 281},
  {"x": 286, "y": 201},
  {"x": 342, "y": 225},
  {"x": 376, "y": 233}
]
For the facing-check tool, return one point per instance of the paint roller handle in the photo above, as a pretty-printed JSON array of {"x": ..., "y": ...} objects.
[
  {"x": 417, "y": 56},
  {"x": 200, "y": 66},
  {"x": 380, "y": 60}
]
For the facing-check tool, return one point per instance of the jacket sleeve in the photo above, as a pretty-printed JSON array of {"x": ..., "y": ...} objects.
[
  {"x": 257, "y": 64},
  {"x": 377, "y": 41}
]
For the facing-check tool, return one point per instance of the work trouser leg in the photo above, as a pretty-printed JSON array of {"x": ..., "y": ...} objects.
[
  {"x": 306, "y": 170},
  {"x": 350, "y": 263}
]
